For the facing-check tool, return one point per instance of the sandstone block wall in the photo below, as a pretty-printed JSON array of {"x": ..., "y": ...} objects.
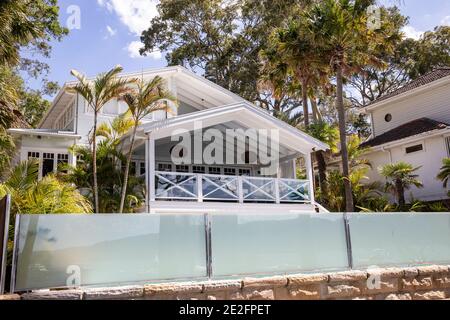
[{"x": 418, "y": 283}]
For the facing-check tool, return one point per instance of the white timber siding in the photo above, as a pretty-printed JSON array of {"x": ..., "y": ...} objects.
[
  {"x": 430, "y": 161},
  {"x": 433, "y": 104}
]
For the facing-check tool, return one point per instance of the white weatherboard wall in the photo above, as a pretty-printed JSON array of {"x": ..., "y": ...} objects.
[
  {"x": 430, "y": 161},
  {"x": 433, "y": 104}
]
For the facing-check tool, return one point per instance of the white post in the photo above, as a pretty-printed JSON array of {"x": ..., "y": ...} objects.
[
  {"x": 152, "y": 165},
  {"x": 199, "y": 187},
  {"x": 240, "y": 181},
  {"x": 310, "y": 175},
  {"x": 147, "y": 181},
  {"x": 277, "y": 190}
]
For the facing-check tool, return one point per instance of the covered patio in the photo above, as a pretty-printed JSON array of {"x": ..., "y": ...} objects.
[{"x": 195, "y": 184}]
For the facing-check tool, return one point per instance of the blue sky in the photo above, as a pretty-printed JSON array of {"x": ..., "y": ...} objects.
[{"x": 109, "y": 34}]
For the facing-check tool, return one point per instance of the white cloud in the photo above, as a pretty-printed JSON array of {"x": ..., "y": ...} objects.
[
  {"x": 133, "y": 51},
  {"x": 446, "y": 21},
  {"x": 135, "y": 14},
  {"x": 411, "y": 32},
  {"x": 111, "y": 32}
]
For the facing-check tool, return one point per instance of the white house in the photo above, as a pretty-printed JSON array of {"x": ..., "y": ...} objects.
[
  {"x": 192, "y": 186},
  {"x": 412, "y": 125}
]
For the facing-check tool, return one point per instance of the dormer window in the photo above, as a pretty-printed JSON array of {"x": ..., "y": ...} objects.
[{"x": 388, "y": 117}]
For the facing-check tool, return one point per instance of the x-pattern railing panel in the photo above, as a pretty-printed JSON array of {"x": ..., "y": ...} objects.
[
  {"x": 176, "y": 185},
  {"x": 216, "y": 187},
  {"x": 258, "y": 189},
  {"x": 293, "y": 190}
]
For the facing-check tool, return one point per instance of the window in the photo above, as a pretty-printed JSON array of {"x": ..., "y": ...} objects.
[
  {"x": 244, "y": 172},
  {"x": 166, "y": 167},
  {"x": 48, "y": 163},
  {"x": 33, "y": 155},
  {"x": 388, "y": 117},
  {"x": 198, "y": 169},
  {"x": 447, "y": 143},
  {"x": 416, "y": 148},
  {"x": 182, "y": 168},
  {"x": 63, "y": 159},
  {"x": 229, "y": 171},
  {"x": 214, "y": 170},
  {"x": 141, "y": 168}
]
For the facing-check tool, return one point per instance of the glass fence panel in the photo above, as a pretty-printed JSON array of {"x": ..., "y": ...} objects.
[
  {"x": 400, "y": 239},
  {"x": 258, "y": 189},
  {"x": 220, "y": 187},
  {"x": 71, "y": 250},
  {"x": 277, "y": 243},
  {"x": 293, "y": 190},
  {"x": 175, "y": 186}
]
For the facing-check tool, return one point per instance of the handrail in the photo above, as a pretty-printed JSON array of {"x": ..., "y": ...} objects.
[{"x": 214, "y": 187}]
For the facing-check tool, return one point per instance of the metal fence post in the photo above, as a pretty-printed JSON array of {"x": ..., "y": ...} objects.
[
  {"x": 348, "y": 241},
  {"x": 15, "y": 254},
  {"x": 4, "y": 234},
  {"x": 208, "y": 245}
]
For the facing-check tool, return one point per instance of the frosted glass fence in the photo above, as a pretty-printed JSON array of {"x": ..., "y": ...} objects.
[
  {"x": 400, "y": 239},
  {"x": 282, "y": 243},
  {"x": 108, "y": 249},
  {"x": 55, "y": 251}
]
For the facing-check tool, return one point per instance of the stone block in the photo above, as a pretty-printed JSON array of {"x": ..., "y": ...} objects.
[
  {"x": 264, "y": 282},
  {"x": 126, "y": 292},
  {"x": 432, "y": 270},
  {"x": 418, "y": 283},
  {"x": 347, "y": 276},
  {"x": 399, "y": 296},
  {"x": 53, "y": 295},
  {"x": 380, "y": 286},
  {"x": 307, "y": 292},
  {"x": 222, "y": 285},
  {"x": 386, "y": 273},
  {"x": 302, "y": 279},
  {"x": 9, "y": 297},
  {"x": 342, "y": 291},
  {"x": 410, "y": 272},
  {"x": 442, "y": 281},
  {"x": 429, "y": 295},
  {"x": 251, "y": 294},
  {"x": 173, "y": 288}
]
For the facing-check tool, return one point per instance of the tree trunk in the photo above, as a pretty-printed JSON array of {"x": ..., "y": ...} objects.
[
  {"x": 127, "y": 170},
  {"x": 305, "y": 103},
  {"x": 94, "y": 163},
  {"x": 316, "y": 113},
  {"x": 349, "y": 207},
  {"x": 400, "y": 193},
  {"x": 322, "y": 166}
]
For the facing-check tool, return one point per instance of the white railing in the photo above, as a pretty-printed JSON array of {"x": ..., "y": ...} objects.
[{"x": 242, "y": 189}]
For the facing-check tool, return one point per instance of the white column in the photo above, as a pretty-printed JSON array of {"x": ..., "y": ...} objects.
[
  {"x": 147, "y": 181},
  {"x": 310, "y": 175},
  {"x": 151, "y": 171}
]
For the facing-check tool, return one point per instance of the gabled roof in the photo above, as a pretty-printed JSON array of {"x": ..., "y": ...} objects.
[
  {"x": 429, "y": 78},
  {"x": 188, "y": 84},
  {"x": 406, "y": 130},
  {"x": 45, "y": 133},
  {"x": 244, "y": 113}
]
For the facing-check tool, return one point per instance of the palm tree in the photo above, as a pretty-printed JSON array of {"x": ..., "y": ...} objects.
[
  {"x": 291, "y": 54},
  {"x": 48, "y": 195},
  {"x": 329, "y": 135},
  {"x": 444, "y": 173},
  {"x": 149, "y": 97},
  {"x": 104, "y": 88},
  {"x": 339, "y": 30},
  {"x": 401, "y": 177}
]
